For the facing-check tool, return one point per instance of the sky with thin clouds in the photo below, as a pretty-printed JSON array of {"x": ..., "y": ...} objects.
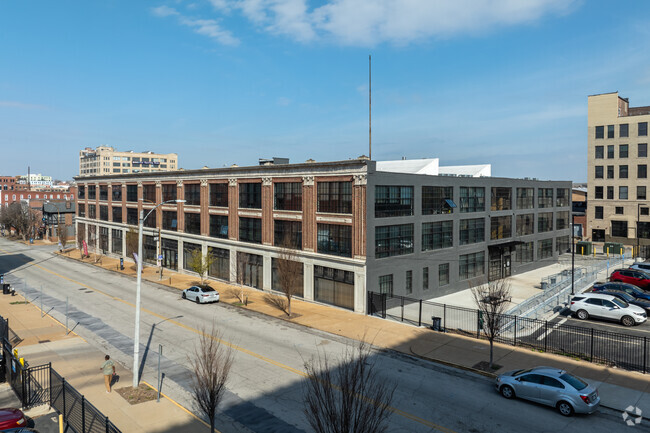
[{"x": 221, "y": 82}]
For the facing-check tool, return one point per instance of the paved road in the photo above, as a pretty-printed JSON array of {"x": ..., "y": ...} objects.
[{"x": 265, "y": 391}]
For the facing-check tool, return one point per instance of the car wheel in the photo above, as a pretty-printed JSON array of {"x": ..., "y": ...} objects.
[
  {"x": 627, "y": 321},
  {"x": 507, "y": 391},
  {"x": 582, "y": 315},
  {"x": 184, "y": 296},
  {"x": 565, "y": 408},
  {"x": 198, "y": 301}
]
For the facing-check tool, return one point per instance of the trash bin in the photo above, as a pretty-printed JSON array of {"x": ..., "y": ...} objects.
[
  {"x": 544, "y": 285},
  {"x": 436, "y": 323},
  {"x": 5, "y": 289}
]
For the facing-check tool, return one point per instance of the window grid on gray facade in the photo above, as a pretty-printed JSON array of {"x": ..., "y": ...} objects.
[
  {"x": 472, "y": 199},
  {"x": 524, "y": 253},
  {"x": 563, "y": 244},
  {"x": 501, "y": 198},
  {"x": 525, "y": 224},
  {"x": 525, "y": 198},
  {"x": 386, "y": 284},
  {"x": 425, "y": 278},
  {"x": 409, "y": 282},
  {"x": 501, "y": 227},
  {"x": 544, "y": 249},
  {"x": 544, "y": 222},
  {"x": 562, "y": 198},
  {"x": 393, "y": 240},
  {"x": 434, "y": 199},
  {"x": 562, "y": 220},
  {"x": 393, "y": 201},
  {"x": 437, "y": 235},
  {"x": 471, "y": 265},
  {"x": 472, "y": 231},
  {"x": 443, "y": 274},
  {"x": 544, "y": 198}
]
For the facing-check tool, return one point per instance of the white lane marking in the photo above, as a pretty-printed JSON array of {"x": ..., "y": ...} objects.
[{"x": 546, "y": 334}]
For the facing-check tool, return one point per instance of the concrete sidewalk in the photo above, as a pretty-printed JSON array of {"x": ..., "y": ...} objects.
[
  {"x": 618, "y": 388},
  {"x": 42, "y": 339}
]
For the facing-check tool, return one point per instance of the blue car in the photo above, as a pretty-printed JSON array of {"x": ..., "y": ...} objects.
[{"x": 622, "y": 287}]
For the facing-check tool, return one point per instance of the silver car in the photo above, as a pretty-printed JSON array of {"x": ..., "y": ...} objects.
[
  {"x": 201, "y": 295},
  {"x": 552, "y": 387},
  {"x": 595, "y": 304}
]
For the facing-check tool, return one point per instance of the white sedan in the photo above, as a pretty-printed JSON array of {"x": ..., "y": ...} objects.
[{"x": 201, "y": 295}]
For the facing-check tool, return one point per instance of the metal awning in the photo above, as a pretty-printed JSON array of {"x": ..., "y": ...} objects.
[{"x": 502, "y": 245}]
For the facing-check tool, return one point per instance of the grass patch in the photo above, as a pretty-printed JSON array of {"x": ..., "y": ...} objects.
[
  {"x": 137, "y": 395},
  {"x": 19, "y": 302}
]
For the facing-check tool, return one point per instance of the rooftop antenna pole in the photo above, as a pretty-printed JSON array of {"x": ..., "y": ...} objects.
[{"x": 369, "y": 106}]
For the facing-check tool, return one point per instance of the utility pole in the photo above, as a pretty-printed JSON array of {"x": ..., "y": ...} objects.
[{"x": 370, "y": 107}]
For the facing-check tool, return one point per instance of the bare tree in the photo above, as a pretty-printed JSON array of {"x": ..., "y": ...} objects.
[
  {"x": 81, "y": 232},
  {"x": 21, "y": 217},
  {"x": 201, "y": 263},
  {"x": 492, "y": 300},
  {"x": 350, "y": 397},
  {"x": 131, "y": 242},
  {"x": 290, "y": 274},
  {"x": 242, "y": 262},
  {"x": 210, "y": 365},
  {"x": 62, "y": 231}
]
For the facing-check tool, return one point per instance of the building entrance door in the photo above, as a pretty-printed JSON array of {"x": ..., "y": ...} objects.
[{"x": 499, "y": 263}]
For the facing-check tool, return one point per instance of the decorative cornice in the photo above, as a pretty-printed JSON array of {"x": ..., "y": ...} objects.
[
  {"x": 139, "y": 184},
  {"x": 158, "y": 184},
  {"x": 204, "y": 182},
  {"x": 267, "y": 181},
  {"x": 360, "y": 179},
  {"x": 179, "y": 182},
  {"x": 308, "y": 180},
  {"x": 232, "y": 181}
]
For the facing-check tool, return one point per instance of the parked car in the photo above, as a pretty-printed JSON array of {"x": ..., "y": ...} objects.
[
  {"x": 552, "y": 387},
  {"x": 643, "y": 303},
  {"x": 201, "y": 295},
  {"x": 641, "y": 266},
  {"x": 631, "y": 276},
  {"x": 11, "y": 418},
  {"x": 607, "y": 307},
  {"x": 622, "y": 287}
]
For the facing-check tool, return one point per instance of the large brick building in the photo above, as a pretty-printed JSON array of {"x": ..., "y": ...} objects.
[{"x": 355, "y": 225}]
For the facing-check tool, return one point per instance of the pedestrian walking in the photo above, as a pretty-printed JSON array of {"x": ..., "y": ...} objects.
[{"x": 108, "y": 367}]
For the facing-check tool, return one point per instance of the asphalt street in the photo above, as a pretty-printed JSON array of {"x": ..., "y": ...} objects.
[{"x": 266, "y": 386}]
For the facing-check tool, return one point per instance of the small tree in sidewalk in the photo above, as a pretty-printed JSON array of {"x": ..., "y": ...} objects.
[
  {"x": 210, "y": 364},
  {"x": 492, "y": 300},
  {"x": 289, "y": 271},
  {"x": 62, "y": 232},
  {"x": 201, "y": 263},
  {"x": 349, "y": 397}
]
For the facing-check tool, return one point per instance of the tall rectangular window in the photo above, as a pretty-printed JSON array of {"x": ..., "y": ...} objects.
[
  {"x": 610, "y": 151},
  {"x": 501, "y": 198},
  {"x": 544, "y": 222},
  {"x": 393, "y": 240},
  {"x": 622, "y": 171},
  {"x": 149, "y": 193},
  {"x": 600, "y": 131},
  {"x": 562, "y": 220},
  {"x": 643, "y": 150},
  {"x": 562, "y": 197},
  {"x": 250, "y": 229},
  {"x": 92, "y": 211},
  {"x": 524, "y": 253},
  {"x": 640, "y": 193},
  {"x": 437, "y": 235},
  {"x": 117, "y": 214},
  {"x": 288, "y": 234},
  {"x": 544, "y": 249},
  {"x": 192, "y": 194},
  {"x": 425, "y": 278},
  {"x": 622, "y": 193},
  {"x": 623, "y": 151},
  {"x": 525, "y": 198},
  {"x": 443, "y": 274},
  {"x": 132, "y": 193},
  {"x": 132, "y": 216},
  {"x": 623, "y": 130},
  {"x": 103, "y": 213},
  {"x": 501, "y": 227},
  {"x": 599, "y": 152},
  {"x": 472, "y": 199},
  {"x": 610, "y": 131},
  {"x": 471, "y": 265},
  {"x": 81, "y": 191},
  {"x": 409, "y": 282},
  {"x": 393, "y": 201},
  {"x": 219, "y": 194},
  {"x": 642, "y": 171},
  {"x": 525, "y": 224},
  {"x": 192, "y": 223},
  {"x": 610, "y": 193},
  {"x": 116, "y": 240},
  {"x": 435, "y": 199},
  {"x": 544, "y": 198},
  {"x": 169, "y": 192},
  {"x": 335, "y": 197},
  {"x": 598, "y": 212},
  {"x": 334, "y": 239},
  {"x": 643, "y": 129},
  {"x": 169, "y": 220},
  {"x": 103, "y": 192},
  {"x": 472, "y": 231},
  {"x": 386, "y": 284},
  {"x": 219, "y": 226},
  {"x": 287, "y": 196},
  {"x": 220, "y": 266},
  {"x": 619, "y": 229},
  {"x": 598, "y": 172},
  {"x": 250, "y": 195},
  {"x": 92, "y": 195},
  {"x": 116, "y": 191},
  {"x": 610, "y": 172}
]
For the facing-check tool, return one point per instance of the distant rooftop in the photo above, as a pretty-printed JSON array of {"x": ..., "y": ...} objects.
[{"x": 430, "y": 166}]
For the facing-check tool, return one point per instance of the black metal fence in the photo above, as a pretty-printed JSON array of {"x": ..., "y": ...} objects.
[
  {"x": 629, "y": 352},
  {"x": 43, "y": 385}
]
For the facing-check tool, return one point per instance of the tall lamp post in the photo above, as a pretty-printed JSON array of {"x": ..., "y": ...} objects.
[
  {"x": 136, "y": 337},
  {"x": 573, "y": 250},
  {"x": 638, "y": 221}
]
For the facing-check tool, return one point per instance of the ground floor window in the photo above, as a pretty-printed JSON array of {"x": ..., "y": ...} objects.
[
  {"x": 471, "y": 265},
  {"x": 250, "y": 269},
  {"x": 220, "y": 266},
  {"x": 544, "y": 249},
  {"x": 524, "y": 253},
  {"x": 103, "y": 239},
  {"x": 334, "y": 286},
  {"x": 92, "y": 236},
  {"x": 443, "y": 274},
  {"x": 188, "y": 250},
  {"x": 563, "y": 244},
  {"x": 386, "y": 284},
  {"x": 294, "y": 273},
  {"x": 149, "y": 248},
  {"x": 619, "y": 229},
  {"x": 169, "y": 251},
  {"x": 598, "y": 235},
  {"x": 116, "y": 241}
]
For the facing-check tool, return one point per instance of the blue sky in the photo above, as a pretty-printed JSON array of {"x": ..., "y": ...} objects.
[{"x": 503, "y": 82}]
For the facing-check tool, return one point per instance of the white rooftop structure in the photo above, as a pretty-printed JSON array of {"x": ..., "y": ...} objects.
[{"x": 430, "y": 166}]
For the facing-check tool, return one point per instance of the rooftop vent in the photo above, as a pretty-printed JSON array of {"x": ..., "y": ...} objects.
[
  {"x": 274, "y": 161},
  {"x": 310, "y": 161}
]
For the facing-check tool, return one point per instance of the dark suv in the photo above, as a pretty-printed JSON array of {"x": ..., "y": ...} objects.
[
  {"x": 622, "y": 287},
  {"x": 631, "y": 276}
]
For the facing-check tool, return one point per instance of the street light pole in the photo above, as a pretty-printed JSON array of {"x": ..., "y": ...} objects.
[
  {"x": 136, "y": 336},
  {"x": 573, "y": 252},
  {"x": 638, "y": 220}
]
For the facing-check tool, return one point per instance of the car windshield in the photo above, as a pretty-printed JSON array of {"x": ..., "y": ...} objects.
[
  {"x": 621, "y": 303},
  {"x": 575, "y": 382}
]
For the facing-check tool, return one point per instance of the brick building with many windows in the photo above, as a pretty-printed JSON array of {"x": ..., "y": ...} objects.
[{"x": 353, "y": 226}]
